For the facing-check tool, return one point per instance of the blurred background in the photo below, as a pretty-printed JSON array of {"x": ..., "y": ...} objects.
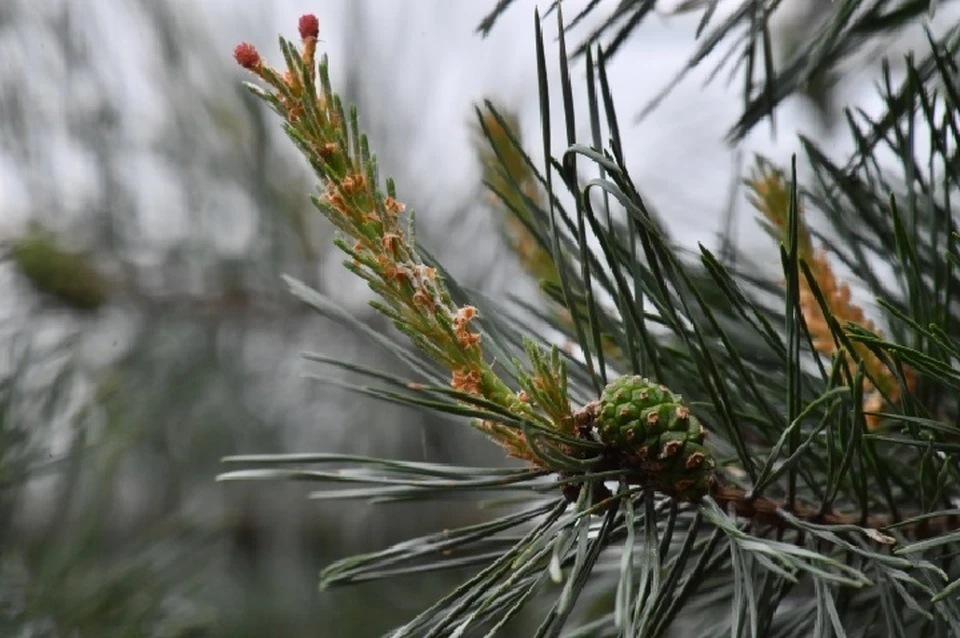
[{"x": 148, "y": 207}]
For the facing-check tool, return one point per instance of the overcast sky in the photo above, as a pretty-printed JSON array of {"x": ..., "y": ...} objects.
[{"x": 428, "y": 66}]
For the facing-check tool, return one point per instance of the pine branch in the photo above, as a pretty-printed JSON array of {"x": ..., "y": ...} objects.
[
  {"x": 628, "y": 473},
  {"x": 834, "y": 32},
  {"x": 71, "y": 280}
]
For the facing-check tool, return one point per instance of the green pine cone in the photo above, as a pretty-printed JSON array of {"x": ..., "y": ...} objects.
[
  {"x": 634, "y": 409},
  {"x": 651, "y": 427},
  {"x": 67, "y": 277}
]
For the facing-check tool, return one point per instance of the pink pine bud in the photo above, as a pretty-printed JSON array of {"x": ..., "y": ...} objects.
[
  {"x": 246, "y": 56},
  {"x": 309, "y": 26}
]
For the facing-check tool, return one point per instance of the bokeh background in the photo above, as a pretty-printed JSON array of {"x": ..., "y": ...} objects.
[{"x": 132, "y": 160}]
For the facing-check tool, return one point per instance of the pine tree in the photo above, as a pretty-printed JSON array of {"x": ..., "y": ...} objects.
[{"x": 703, "y": 448}]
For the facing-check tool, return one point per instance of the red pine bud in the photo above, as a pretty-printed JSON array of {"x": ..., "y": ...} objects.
[
  {"x": 309, "y": 26},
  {"x": 246, "y": 56}
]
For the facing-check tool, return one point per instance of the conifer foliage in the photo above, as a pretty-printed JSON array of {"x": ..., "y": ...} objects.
[{"x": 704, "y": 450}]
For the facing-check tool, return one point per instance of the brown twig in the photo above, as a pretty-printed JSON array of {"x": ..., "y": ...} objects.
[{"x": 768, "y": 511}]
